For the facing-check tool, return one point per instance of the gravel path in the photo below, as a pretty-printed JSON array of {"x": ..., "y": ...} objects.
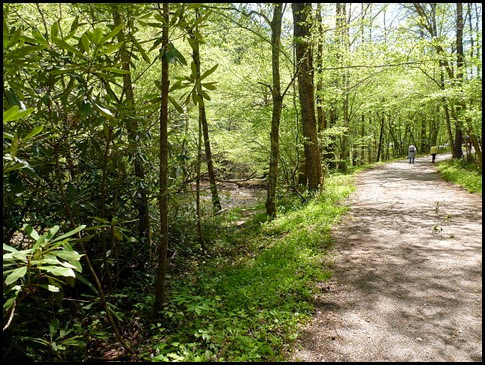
[{"x": 407, "y": 282}]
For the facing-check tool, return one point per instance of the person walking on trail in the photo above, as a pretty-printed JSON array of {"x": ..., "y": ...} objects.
[
  {"x": 411, "y": 153},
  {"x": 433, "y": 151}
]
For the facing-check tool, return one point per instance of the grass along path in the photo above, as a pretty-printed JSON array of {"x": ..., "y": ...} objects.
[
  {"x": 407, "y": 282},
  {"x": 248, "y": 300}
]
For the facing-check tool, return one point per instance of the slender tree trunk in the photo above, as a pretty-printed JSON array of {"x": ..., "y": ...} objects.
[
  {"x": 362, "y": 134},
  {"x": 306, "y": 92},
  {"x": 381, "y": 134},
  {"x": 277, "y": 106},
  {"x": 459, "y": 78},
  {"x": 197, "y": 189},
  {"x": 344, "y": 35},
  {"x": 163, "y": 201},
  {"x": 141, "y": 200},
  {"x": 203, "y": 120},
  {"x": 320, "y": 112}
]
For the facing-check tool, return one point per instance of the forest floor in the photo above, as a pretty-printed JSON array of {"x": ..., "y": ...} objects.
[{"x": 407, "y": 283}]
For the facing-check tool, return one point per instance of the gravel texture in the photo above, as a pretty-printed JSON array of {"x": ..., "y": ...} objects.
[{"x": 407, "y": 282}]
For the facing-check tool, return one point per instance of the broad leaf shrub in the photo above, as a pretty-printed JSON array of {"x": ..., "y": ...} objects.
[{"x": 48, "y": 265}]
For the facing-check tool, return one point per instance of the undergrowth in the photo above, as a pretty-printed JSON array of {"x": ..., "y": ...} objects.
[
  {"x": 248, "y": 300},
  {"x": 462, "y": 173}
]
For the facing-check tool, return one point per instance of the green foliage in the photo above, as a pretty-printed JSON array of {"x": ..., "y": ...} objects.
[
  {"x": 49, "y": 263},
  {"x": 462, "y": 173},
  {"x": 247, "y": 302}
]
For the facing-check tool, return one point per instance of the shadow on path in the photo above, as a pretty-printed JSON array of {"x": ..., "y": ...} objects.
[{"x": 407, "y": 273}]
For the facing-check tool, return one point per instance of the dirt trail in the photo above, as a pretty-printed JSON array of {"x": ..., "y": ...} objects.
[{"x": 408, "y": 277}]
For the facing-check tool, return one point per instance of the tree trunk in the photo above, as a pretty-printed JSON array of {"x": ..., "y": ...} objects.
[
  {"x": 306, "y": 92},
  {"x": 320, "y": 112},
  {"x": 460, "y": 74},
  {"x": 216, "y": 203},
  {"x": 140, "y": 201},
  {"x": 381, "y": 133},
  {"x": 197, "y": 189},
  {"x": 277, "y": 106},
  {"x": 163, "y": 201}
]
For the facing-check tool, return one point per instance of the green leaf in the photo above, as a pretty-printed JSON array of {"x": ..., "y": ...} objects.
[
  {"x": 6, "y": 33},
  {"x": 59, "y": 72},
  {"x": 9, "y": 248},
  {"x": 15, "y": 275},
  {"x": 8, "y": 114},
  {"x": 64, "y": 45},
  {"x": 14, "y": 38},
  {"x": 68, "y": 255},
  {"x": 209, "y": 86},
  {"x": 175, "y": 104},
  {"x": 75, "y": 24},
  {"x": 59, "y": 271},
  {"x": 97, "y": 35},
  {"x": 110, "y": 49},
  {"x": 177, "y": 85},
  {"x": 116, "y": 70},
  {"x": 31, "y": 232},
  {"x": 29, "y": 49},
  {"x": 39, "y": 37},
  {"x": 104, "y": 111},
  {"x": 53, "y": 288},
  {"x": 85, "y": 42},
  {"x": 21, "y": 114},
  {"x": 114, "y": 32},
  {"x": 204, "y": 95},
  {"x": 21, "y": 255},
  {"x": 207, "y": 73},
  {"x": 52, "y": 232},
  {"x": 70, "y": 233},
  {"x": 53, "y": 327},
  {"x": 33, "y": 133},
  {"x": 173, "y": 53},
  {"x": 54, "y": 29}
]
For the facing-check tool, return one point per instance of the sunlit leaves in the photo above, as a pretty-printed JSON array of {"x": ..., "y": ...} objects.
[{"x": 13, "y": 113}]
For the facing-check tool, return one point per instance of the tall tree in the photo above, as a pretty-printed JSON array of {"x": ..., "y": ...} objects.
[
  {"x": 163, "y": 199},
  {"x": 216, "y": 202},
  {"x": 129, "y": 116},
  {"x": 277, "y": 106},
  {"x": 460, "y": 75},
  {"x": 319, "y": 86},
  {"x": 306, "y": 93}
]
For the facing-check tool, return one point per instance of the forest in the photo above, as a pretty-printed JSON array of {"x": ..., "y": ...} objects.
[{"x": 171, "y": 171}]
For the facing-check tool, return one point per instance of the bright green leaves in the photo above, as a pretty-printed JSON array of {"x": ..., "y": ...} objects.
[
  {"x": 13, "y": 113},
  {"x": 54, "y": 29},
  {"x": 15, "y": 275},
  {"x": 97, "y": 35},
  {"x": 43, "y": 257},
  {"x": 39, "y": 37},
  {"x": 85, "y": 42},
  {"x": 112, "y": 34},
  {"x": 14, "y": 38},
  {"x": 208, "y": 72},
  {"x": 66, "y": 46}
]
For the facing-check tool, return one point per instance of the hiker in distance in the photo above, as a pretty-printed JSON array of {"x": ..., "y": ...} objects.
[
  {"x": 433, "y": 151},
  {"x": 411, "y": 153}
]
